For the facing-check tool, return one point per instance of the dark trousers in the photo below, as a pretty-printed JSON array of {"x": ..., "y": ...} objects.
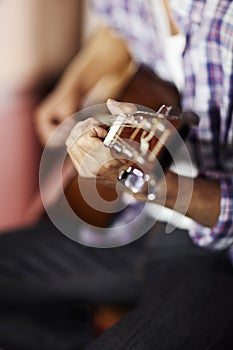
[
  {"x": 187, "y": 302},
  {"x": 183, "y": 294}
]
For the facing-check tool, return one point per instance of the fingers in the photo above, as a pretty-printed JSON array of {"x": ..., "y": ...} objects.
[
  {"x": 90, "y": 127},
  {"x": 51, "y": 113},
  {"x": 116, "y": 107},
  {"x": 86, "y": 148},
  {"x": 87, "y": 151}
]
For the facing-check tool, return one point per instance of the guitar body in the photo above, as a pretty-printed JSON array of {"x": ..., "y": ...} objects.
[
  {"x": 84, "y": 211},
  {"x": 147, "y": 89}
]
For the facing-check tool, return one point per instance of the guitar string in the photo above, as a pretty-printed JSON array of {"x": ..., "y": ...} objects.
[{"x": 125, "y": 143}]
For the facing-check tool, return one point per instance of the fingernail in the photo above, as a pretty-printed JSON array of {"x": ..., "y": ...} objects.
[{"x": 113, "y": 102}]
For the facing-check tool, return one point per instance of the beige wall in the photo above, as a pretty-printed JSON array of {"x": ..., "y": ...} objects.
[{"x": 37, "y": 39}]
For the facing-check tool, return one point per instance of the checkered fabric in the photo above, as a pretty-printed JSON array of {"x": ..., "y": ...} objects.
[{"x": 208, "y": 70}]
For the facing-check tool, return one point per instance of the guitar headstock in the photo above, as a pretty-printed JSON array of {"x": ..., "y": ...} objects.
[{"x": 145, "y": 140}]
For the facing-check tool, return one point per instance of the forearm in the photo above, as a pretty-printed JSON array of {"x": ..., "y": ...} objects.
[
  {"x": 203, "y": 204},
  {"x": 102, "y": 54}
]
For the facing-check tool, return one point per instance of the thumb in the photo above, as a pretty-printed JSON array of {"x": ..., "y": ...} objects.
[{"x": 116, "y": 107}]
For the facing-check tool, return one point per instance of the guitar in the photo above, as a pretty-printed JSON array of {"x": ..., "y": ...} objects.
[{"x": 147, "y": 89}]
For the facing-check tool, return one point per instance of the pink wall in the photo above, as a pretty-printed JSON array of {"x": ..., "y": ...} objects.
[
  {"x": 19, "y": 160},
  {"x": 37, "y": 40}
]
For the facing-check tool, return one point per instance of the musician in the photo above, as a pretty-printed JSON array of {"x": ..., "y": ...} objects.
[
  {"x": 207, "y": 64},
  {"x": 108, "y": 51},
  {"x": 184, "y": 292},
  {"x": 211, "y": 205}
]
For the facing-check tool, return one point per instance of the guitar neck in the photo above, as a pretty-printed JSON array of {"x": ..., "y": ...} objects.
[{"x": 146, "y": 140}]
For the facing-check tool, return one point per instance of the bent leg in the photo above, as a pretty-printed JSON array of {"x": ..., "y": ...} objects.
[
  {"x": 48, "y": 284},
  {"x": 41, "y": 264},
  {"x": 187, "y": 302}
]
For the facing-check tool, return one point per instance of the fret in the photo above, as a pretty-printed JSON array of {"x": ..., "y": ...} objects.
[{"x": 143, "y": 138}]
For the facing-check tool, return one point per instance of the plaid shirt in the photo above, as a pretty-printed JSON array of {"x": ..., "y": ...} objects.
[{"x": 208, "y": 70}]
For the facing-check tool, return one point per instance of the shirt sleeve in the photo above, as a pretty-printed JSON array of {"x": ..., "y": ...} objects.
[
  {"x": 112, "y": 14},
  {"x": 221, "y": 235}
]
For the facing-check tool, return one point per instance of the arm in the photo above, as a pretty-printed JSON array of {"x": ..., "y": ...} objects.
[
  {"x": 204, "y": 204},
  {"x": 104, "y": 53}
]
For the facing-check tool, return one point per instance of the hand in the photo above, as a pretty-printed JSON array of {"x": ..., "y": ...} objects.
[
  {"x": 56, "y": 108},
  {"x": 86, "y": 149}
]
